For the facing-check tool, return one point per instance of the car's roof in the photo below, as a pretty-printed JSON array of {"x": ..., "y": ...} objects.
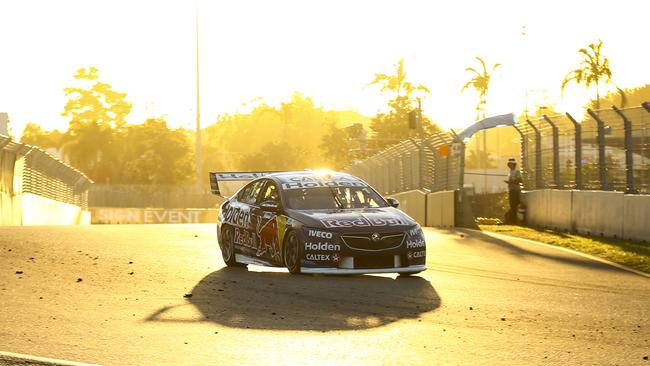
[{"x": 315, "y": 178}]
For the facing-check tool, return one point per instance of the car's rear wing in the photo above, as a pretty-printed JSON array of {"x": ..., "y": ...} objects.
[{"x": 230, "y": 182}]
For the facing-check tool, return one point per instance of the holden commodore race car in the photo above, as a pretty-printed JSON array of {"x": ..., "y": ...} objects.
[{"x": 315, "y": 222}]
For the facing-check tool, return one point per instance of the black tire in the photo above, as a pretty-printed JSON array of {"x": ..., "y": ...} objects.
[
  {"x": 227, "y": 246},
  {"x": 291, "y": 253}
]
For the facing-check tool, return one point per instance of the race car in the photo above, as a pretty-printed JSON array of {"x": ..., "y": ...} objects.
[{"x": 315, "y": 222}]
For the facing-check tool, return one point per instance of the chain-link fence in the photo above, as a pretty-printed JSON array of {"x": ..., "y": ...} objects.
[
  {"x": 28, "y": 169},
  {"x": 607, "y": 150},
  {"x": 433, "y": 164}
]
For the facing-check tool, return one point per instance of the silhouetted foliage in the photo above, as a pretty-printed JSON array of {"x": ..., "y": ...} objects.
[
  {"x": 593, "y": 70},
  {"x": 481, "y": 84},
  {"x": 392, "y": 127}
]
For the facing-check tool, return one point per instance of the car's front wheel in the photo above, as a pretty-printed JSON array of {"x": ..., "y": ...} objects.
[
  {"x": 291, "y": 253},
  {"x": 227, "y": 246}
]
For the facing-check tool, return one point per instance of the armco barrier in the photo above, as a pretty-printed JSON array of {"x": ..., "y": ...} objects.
[
  {"x": 110, "y": 215},
  {"x": 611, "y": 214},
  {"x": 413, "y": 203}
]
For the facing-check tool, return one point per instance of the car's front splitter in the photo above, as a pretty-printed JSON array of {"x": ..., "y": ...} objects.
[{"x": 348, "y": 271}]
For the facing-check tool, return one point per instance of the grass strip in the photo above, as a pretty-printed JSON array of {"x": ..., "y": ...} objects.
[{"x": 628, "y": 253}]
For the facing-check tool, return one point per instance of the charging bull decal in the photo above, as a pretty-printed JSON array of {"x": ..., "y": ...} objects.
[{"x": 268, "y": 234}]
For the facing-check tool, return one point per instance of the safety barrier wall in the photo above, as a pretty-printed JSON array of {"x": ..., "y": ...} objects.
[
  {"x": 413, "y": 203},
  {"x": 429, "y": 209},
  {"x": 111, "y": 215},
  {"x": 38, "y": 189},
  {"x": 441, "y": 209},
  {"x": 611, "y": 214}
]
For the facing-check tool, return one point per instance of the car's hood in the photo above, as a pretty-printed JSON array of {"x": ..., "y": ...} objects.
[{"x": 367, "y": 219}]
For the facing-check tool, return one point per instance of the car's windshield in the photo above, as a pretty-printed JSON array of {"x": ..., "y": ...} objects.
[{"x": 332, "y": 198}]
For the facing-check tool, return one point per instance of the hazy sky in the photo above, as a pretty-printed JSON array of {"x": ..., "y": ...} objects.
[{"x": 328, "y": 50}]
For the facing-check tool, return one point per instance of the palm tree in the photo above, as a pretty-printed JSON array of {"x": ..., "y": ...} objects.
[
  {"x": 480, "y": 83},
  {"x": 593, "y": 70}
]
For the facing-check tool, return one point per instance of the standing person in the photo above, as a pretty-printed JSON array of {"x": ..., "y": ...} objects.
[{"x": 514, "y": 190}]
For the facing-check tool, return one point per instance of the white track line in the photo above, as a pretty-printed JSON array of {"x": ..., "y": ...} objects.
[
  {"x": 597, "y": 259},
  {"x": 8, "y": 358}
]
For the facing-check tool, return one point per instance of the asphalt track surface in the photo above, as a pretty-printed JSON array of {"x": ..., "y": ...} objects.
[{"x": 116, "y": 295}]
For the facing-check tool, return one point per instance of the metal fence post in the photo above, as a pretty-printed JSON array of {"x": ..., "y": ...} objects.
[
  {"x": 629, "y": 160},
  {"x": 539, "y": 182},
  {"x": 578, "y": 150},
  {"x": 601, "y": 150},
  {"x": 556, "y": 152}
]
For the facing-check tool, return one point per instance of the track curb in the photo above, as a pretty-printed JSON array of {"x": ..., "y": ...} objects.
[
  {"x": 589, "y": 256},
  {"x": 11, "y": 359}
]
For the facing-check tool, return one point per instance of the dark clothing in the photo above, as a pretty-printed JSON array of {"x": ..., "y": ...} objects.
[{"x": 513, "y": 198}]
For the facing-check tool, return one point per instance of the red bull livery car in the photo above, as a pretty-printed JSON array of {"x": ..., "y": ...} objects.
[{"x": 315, "y": 222}]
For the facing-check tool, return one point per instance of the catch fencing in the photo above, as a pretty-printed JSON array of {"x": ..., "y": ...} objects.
[
  {"x": 607, "y": 150},
  {"x": 27, "y": 170},
  {"x": 433, "y": 164}
]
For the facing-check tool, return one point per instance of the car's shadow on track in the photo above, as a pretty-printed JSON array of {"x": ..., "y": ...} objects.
[{"x": 236, "y": 297}]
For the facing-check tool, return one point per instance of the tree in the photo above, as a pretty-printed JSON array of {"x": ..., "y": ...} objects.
[
  {"x": 33, "y": 134},
  {"x": 481, "y": 84},
  {"x": 96, "y": 111},
  {"x": 336, "y": 147},
  {"x": 593, "y": 70},
  {"x": 156, "y": 154},
  {"x": 288, "y": 136},
  {"x": 392, "y": 127}
]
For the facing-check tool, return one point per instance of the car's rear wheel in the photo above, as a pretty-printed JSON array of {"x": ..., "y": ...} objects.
[
  {"x": 291, "y": 253},
  {"x": 227, "y": 246}
]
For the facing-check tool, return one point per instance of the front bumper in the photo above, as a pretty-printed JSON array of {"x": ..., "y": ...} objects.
[{"x": 348, "y": 271}]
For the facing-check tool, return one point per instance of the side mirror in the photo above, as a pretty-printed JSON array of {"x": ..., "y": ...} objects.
[
  {"x": 270, "y": 206},
  {"x": 392, "y": 202}
]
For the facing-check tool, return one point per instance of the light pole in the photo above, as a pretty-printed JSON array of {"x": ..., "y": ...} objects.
[{"x": 198, "y": 103}]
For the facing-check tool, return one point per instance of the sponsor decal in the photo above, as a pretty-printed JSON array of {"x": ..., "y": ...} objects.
[
  {"x": 268, "y": 234},
  {"x": 237, "y": 216},
  {"x": 299, "y": 182},
  {"x": 240, "y": 175},
  {"x": 319, "y": 257},
  {"x": 320, "y": 246},
  {"x": 363, "y": 221},
  {"x": 320, "y": 234},
  {"x": 336, "y": 257},
  {"x": 416, "y": 255},
  {"x": 415, "y": 231},
  {"x": 244, "y": 238},
  {"x": 413, "y": 244}
]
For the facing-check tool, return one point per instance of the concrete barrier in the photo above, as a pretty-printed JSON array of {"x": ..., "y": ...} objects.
[
  {"x": 598, "y": 213},
  {"x": 441, "y": 209},
  {"x": 636, "y": 213},
  {"x": 560, "y": 210},
  {"x": 611, "y": 214},
  {"x": 37, "y": 210},
  {"x": 413, "y": 203},
  {"x": 110, "y": 215}
]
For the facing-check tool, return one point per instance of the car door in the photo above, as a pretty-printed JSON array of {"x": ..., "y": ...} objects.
[
  {"x": 266, "y": 215},
  {"x": 238, "y": 214}
]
